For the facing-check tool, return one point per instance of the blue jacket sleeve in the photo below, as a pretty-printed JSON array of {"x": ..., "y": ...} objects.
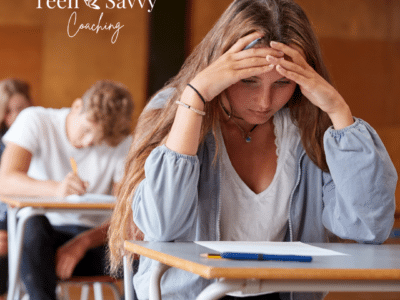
[
  {"x": 165, "y": 203},
  {"x": 359, "y": 192}
]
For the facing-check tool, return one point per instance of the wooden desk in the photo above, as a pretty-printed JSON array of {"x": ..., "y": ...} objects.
[
  {"x": 366, "y": 268},
  {"x": 39, "y": 206}
]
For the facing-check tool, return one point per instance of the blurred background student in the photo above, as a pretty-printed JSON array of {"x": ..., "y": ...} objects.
[
  {"x": 95, "y": 130},
  {"x": 14, "y": 97}
]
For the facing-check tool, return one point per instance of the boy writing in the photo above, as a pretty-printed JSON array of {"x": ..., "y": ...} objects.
[{"x": 95, "y": 131}]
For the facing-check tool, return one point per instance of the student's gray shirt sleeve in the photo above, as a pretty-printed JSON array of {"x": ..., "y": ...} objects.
[
  {"x": 165, "y": 203},
  {"x": 359, "y": 192}
]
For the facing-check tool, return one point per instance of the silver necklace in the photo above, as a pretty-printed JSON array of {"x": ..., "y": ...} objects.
[{"x": 246, "y": 135}]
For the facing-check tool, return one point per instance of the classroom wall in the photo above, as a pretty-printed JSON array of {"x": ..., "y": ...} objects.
[{"x": 36, "y": 47}]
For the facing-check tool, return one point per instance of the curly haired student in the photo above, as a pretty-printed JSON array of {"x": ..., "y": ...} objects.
[{"x": 96, "y": 132}]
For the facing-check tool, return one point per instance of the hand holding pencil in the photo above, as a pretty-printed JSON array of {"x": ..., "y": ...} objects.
[{"x": 72, "y": 183}]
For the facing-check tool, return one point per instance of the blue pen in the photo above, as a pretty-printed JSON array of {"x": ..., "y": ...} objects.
[
  {"x": 251, "y": 45},
  {"x": 255, "y": 256}
]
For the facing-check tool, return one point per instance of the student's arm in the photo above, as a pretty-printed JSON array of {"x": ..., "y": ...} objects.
[
  {"x": 312, "y": 85},
  {"x": 228, "y": 69},
  {"x": 358, "y": 195},
  {"x": 14, "y": 180},
  {"x": 164, "y": 205},
  {"x": 69, "y": 254}
]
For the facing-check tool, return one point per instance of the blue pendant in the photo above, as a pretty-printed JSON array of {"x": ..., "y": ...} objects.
[{"x": 248, "y": 139}]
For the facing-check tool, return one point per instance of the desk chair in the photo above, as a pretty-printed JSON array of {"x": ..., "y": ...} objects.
[
  {"x": 86, "y": 282},
  {"x": 128, "y": 284},
  {"x": 129, "y": 270}
]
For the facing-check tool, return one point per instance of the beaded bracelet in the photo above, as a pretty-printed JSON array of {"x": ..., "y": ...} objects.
[
  {"x": 199, "y": 112},
  {"x": 197, "y": 92}
]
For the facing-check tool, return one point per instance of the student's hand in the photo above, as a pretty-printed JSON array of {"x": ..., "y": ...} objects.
[
  {"x": 68, "y": 256},
  {"x": 71, "y": 184},
  {"x": 312, "y": 85},
  {"x": 233, "y": 66}
]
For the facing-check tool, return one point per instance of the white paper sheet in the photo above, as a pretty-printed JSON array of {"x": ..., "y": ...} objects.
[
  {"x": 90, "y": 198},
  {"x": 283, "y": 248}
]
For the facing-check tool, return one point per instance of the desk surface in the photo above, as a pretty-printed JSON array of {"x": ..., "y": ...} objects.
[
  {"x": 40, "y": 205},
  {"x": 364, "y": 262},
  {"x": 52, "y": 202}
]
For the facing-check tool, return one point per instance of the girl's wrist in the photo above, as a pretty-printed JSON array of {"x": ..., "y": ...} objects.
[
  {"x": 341, "y": 117},
  {"x": 190, "y": 97},
  {"x": 198, "y": 93},
  {"x": 198, "y": 84}
]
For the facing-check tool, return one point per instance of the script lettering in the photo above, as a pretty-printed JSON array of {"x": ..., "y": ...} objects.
[{"x": 93, "y": 27}]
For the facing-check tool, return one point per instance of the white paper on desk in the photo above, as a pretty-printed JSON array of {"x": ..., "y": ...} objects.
[
  {"x": 91, "y": 198},
  {"x": 285, "y": 248}
]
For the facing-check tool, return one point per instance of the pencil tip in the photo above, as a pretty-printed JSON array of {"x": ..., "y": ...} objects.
[{"x": 210, "y": 255}]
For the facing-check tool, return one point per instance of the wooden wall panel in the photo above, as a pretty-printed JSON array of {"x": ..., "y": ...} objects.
[
  {"x": 363, "y": 73},
  {"x": 20, "y": 55},
  {"x": 204, "y": 15},
  {"x": 390, "y": 136},
  {"x": 19, "y": 12},
  {"x": 64, "y": 66},
  {"x": 351, "y": 19}
]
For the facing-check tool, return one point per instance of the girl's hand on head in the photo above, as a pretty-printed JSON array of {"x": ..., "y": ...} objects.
[
  {"x": 312, "y": 85},
  {"x": 233, "y": 66}
]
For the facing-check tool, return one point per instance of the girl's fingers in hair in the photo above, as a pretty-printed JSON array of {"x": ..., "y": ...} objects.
[
  {"x": 254, "y": 58},
  {"x": 295, "y": 76},
  {"x": 223, "y": 73},
  {"x": 290, "y": 66},
  {"x": 250, "y": 63},
  {"x": 293, "y": 52},
  {"x": 318, "y": 91},
  {"x": 244, "y": 41},
  {"x": 258, "y": 52},
  {"x": 255, "y": 71},
  {"x": 315, "y": 89}
]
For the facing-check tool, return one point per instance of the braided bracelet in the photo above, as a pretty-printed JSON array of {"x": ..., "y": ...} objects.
[
  {"x": 199, "y": 112},
  {"x": 197, "y": 92}
]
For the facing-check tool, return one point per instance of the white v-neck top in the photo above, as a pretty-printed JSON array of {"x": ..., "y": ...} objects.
[{"x": 246, "y": 216}]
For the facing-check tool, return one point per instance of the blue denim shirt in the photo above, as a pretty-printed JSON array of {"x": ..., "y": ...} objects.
[{"x": 179, "y": 200}]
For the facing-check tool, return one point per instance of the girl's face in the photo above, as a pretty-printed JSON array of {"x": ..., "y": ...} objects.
[
  {"x": 257, "y": 99},
  {"x": 15, "y": 105}
]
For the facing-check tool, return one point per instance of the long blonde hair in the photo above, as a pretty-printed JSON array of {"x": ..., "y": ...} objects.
[{"x": 278, "y": 20}]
